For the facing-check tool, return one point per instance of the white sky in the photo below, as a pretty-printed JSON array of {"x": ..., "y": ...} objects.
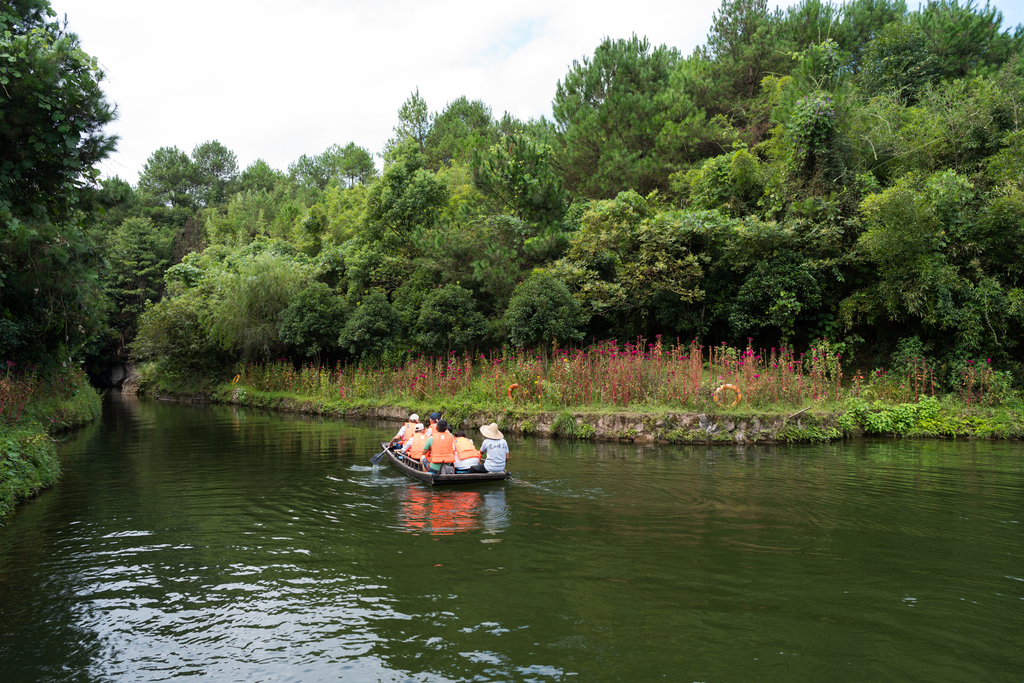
[{"x": 277, "y": 79}]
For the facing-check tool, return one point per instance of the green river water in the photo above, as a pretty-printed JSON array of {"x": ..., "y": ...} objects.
[{"x": 228, "y": 544}]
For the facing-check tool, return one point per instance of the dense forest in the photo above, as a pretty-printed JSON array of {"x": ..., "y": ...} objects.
[{"x": 845, "y": 171}]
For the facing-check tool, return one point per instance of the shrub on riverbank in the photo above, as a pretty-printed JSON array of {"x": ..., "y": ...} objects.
[{"x": 33, "y": 406}]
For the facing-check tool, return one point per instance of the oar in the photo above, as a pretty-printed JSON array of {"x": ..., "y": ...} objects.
[{"x": 375, "y": 460}]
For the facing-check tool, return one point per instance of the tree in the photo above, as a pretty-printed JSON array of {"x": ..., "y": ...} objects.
[
  {"x": 624, "y": 255},
  {"x": 372, "y": 330},
  {"x": 809, "y": 22},
  {"x": 414, "y": 123},
  {"x": 259, "y": 175},
  {"x": 52, "y": 115},
  {"x": 898, "y": 61},
  {"x": 313, "y": 321},
  {"x": 745, "y": 45},
  {"x": 356, "y": 165},
  {"x": 168, "y": 178},
  {"x": 462, "y": 127},
  {"x": 53, "y": 112},
  {"x": 244, "y": 315},
  {"x": 405, "y": 202},
  {"x": 139, "y": 253},
  {"x": 449, "y": 320},
  {"x": 215, "y": 169},
  {"x": 542, "y": 310},
  {"x": 518, "y": 174},
  {"x": 350, "y": 164},
  {"x": 862, "y": 21},
  {"x": 967, "y": 39},
  {"x": 609, "y": 116}
]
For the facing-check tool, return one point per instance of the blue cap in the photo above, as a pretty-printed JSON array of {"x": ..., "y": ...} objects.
[{"x": 435, "y": 416}]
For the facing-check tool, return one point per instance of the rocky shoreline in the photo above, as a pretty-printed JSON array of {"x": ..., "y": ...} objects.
[{"x": 629, "y": 427}]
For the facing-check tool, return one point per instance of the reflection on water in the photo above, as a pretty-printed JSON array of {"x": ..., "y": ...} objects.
[
  {"x": 237, "y": 545},
  {"x": 447, "y": 511}
]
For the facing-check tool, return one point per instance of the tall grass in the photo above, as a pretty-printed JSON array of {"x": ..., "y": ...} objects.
[{"x": 676, "y": 375}]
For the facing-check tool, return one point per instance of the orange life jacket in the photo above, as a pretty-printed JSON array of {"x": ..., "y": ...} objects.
[
  {"x": 419, "y": 440},
  {"x": 410, "y": 429},
  {"x": 464, "y": 449},
  {"x": 442, "y": 448}
]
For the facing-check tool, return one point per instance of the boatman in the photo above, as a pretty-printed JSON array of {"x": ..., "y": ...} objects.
[
  {"x": 494, "y": 450},
  {"x": 439, "y": 449},
  {"x": 405, "y": 433}
]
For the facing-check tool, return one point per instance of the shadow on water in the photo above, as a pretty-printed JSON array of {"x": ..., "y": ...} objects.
[{"x": 236, "y": 544}]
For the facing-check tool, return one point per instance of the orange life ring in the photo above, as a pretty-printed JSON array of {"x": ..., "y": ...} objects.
[
  {"x": 511, "y": 390},
  {"x": 719, "y": 390}
]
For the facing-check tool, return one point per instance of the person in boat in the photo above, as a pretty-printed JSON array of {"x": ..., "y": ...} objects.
[
  {"x": 493, "y": 450},
  {"x": 466, "y": 454},
  {"x": 432, "y": 427},
  {"x": 439, "y": 449},
  {"x": 406, "y": 432},
  {"x": 412, "y": 451}
]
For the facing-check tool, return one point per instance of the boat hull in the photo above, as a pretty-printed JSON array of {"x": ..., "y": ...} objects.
[{"x": 441, "y": 479}]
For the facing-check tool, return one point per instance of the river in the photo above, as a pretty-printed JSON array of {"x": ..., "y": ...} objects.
[{"x": 230, "y": 544}]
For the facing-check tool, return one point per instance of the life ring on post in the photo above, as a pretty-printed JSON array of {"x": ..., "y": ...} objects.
[
  {"x": 718, "y": 394},
  {"x": 511, "y": 390}
]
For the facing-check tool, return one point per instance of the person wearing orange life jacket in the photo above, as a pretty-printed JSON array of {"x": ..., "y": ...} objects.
[
  {"x": 405, "y": 433},
  {"x": 432, "y": 426},
  {"x": 439, "y": 449},
  {"x": 413, "y": 449},
  {"x": 466, "y": 454}
]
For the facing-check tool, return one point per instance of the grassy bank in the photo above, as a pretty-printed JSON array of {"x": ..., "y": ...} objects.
[
  {"x": 647, "y": 392},
  {"x": 33, "y": 407}
]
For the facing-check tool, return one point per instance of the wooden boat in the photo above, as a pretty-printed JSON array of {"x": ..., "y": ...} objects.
[{"x": 440, "y": 479}]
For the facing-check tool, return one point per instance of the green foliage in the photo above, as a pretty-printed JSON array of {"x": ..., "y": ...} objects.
[
  {"x": 863, "y": 20},
  {"x": 215, "y": 169},
  {"x": 744, "y": 45},
  {"x": 248, "y": 299},
  {"x": 898, "y": 61},
  {"x": 967, "y": 39},
  {"x": 313, "y": 321},
  {"x": 414, "y": 127},
  {"x": 372, "y": 330},
  {"x": 518, "y": 175},
  {"x": 405, "y": 203},
  {"x": 351, "y": 165},
  {"x": 168, "y": 179},
  {"x": 28, "y": 463},
  {"x": 542, "y": 310},
  {"x": 448, "y": 321},
  {"x": 53, "y": 112},
  {"x": 138, "y": 254},
  {"x": 259, "y": 176},
  {"x": 458, "y": 131},
  {"x": 813, "y": 121},
  {"x": 624, "y": 254},
  {"x": 52, "y": 115},
  {"x": 171, "y": 333},
  {"x": 610, "y": 115},
  {"x": 732, "y": 183}
]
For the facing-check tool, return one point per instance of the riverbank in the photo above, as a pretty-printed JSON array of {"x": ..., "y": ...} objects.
[
  {"x": 29, "y": 462},
  {"x": 824, "y": 421}
]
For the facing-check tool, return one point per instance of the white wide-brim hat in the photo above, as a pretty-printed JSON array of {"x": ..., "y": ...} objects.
[{"x": 491, "y": 431}]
